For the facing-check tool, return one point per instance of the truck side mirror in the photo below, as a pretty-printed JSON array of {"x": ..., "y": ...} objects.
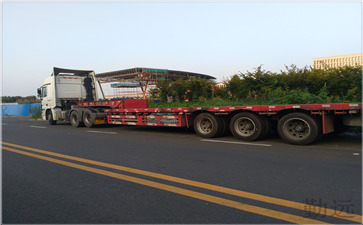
[{"x": 39, "y": 90}]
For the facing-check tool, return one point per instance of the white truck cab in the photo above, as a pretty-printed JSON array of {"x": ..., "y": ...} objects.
[{"x": 63, "y": 90}]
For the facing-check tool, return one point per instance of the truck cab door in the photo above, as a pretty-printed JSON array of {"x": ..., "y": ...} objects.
[
  {"x": 47, "y": 96},
  {"x": 47, "y": 99}
]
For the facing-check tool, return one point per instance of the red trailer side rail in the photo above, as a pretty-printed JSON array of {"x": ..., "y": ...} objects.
[
  {"x": 139, "y": 116},
  {"x": 296, "y": 124}
]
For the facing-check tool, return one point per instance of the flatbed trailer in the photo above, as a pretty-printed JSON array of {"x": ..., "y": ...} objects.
[
  {"x": 71, "y": 95},
  {"x": 299, "y": 124}
]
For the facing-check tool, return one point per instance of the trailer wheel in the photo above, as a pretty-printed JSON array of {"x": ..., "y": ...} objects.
[
  {"x": 247, "y": 126},
  {"x": 88, "y": 118},
  {"x": 50, "y": 118},
  {"x": 207, "y": 125},
  {"x": 75, "y": 119},
  {"x": 299, "y": 129},
  {"x": 266, "y": 131},
  {"x": 223, "y": 127}
]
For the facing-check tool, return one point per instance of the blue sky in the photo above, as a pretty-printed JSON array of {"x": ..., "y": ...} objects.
[{"x": 215, "y": 38}]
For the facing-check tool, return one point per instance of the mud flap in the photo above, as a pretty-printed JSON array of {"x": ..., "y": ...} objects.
[{"x": 328, "y": 125}]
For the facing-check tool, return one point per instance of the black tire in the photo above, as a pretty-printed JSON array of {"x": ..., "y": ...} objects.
[
  {"x": 207, "y": 125},
  {"x": 267, "y": 128},
  {"x": 299, "y": 129},
  {"x": 51, "y": 121},
  {"x": 88, "y": 118},
  {"x": 247, "y": 126},
  {"x": 75, "y": 119},
  {"x": 223, "y": 127}
]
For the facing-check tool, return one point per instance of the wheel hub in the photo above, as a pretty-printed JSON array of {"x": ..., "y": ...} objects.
[
  {"x": 297, "y": 128},
  {"x": 206, "y": 125},
  {"x": 248, "y": 126},
  {"x": 245, "y": 127}
]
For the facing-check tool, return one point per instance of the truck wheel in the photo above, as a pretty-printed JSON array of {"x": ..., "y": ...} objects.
[
  {"x": 75, "y": 119},
  {"x": 50, "y": 118},
  {"x": 267, "y": 129},
  {"x": 247, "y": 126},
  {"x": 299, "y": 129},
  {"x": 223, "y": 127},
  {"x": 207, "y": 125},
  {"x": 88, "y": 118}
]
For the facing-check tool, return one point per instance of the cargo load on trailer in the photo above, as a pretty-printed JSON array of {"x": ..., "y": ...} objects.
[{"x": 72, "y": 95}]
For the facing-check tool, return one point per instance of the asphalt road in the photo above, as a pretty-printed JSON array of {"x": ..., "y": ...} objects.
[{"x": 165, "y": 175}]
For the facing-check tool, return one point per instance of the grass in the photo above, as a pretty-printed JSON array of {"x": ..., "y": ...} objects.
[{"x": 36, "y": 112}]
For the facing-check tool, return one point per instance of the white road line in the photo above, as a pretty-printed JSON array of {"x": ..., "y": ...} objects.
[
  {"x": 101, "y": 132},
  {"x": 234, "y": 142},
  {"x": 37, "y": 127},
  {"x": 4, "y": 124}
]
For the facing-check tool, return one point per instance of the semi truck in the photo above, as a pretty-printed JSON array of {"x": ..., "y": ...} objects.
[{"x": 72, "y": 95}]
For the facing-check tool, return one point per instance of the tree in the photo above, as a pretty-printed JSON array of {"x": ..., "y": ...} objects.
[
  {"x": 198, "y": 88},
  {"x": 163, "y": 89},
  {"x": 342, "y": 79},
  {"x": 179, "y": 87},
  {"x": 20, "y": 100},
  {"x": 235, "y": 87}
]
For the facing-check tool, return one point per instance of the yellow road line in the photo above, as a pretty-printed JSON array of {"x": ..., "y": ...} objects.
[
  {"x": 258, "y": 197},
  {"x": 217, "y": 200}
]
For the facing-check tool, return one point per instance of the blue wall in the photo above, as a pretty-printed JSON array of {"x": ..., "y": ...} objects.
[{"x": 19, "y": 110}]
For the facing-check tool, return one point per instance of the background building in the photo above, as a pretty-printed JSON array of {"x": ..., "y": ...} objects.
[
  {"x": 221, "y": 84},
  {"x": 337, "y": 61},
  {"x": 137, "y": 82}
]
